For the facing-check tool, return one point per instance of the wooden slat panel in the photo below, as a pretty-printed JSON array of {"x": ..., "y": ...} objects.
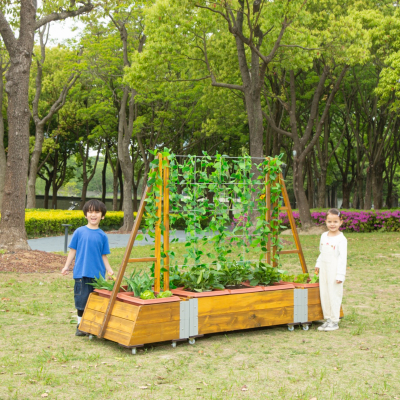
[
  {"x": 151, "y": 333},
  {"x": 245, "y": 320},
  {"x": 315, "y": 312},
  {"x": 288, "y": 251},
  {"x": 157, "y": 313},
  {"x": 144, "y": 259},
  {"x": 121, "y": 310},
  {"x": 116, "y": 323},
  {"x": 283, "y": 208},
  {"x": 245, "y": 302},
  {"x": 110, "y": 333},
  {"x": 313, "y": 296}
]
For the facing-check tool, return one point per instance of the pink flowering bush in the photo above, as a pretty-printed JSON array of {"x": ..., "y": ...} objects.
[{"x": 356, "y": 221}]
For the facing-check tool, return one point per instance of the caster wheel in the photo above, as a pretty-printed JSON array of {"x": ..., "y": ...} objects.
[
  {"x": 134, "y": 351},
  {"x": 192, "y": 341},
  {"x": 306, "y": 327},
  {"x": 290, "y": 327},
  {"x": 90, "y": 337},
  {"x": 173, "y": 344}
]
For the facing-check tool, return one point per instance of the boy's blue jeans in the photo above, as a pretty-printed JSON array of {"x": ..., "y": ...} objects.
[{"x": 82, "y": 291}]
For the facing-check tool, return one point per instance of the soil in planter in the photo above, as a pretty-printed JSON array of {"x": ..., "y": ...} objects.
[{"x": 230, "y": 287}]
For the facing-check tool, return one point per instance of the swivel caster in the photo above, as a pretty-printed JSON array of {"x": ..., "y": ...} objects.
[
  {"x": 173, "y": 344},
  {"x": 290, "y": 328},
  {"x": 192, "y": 341},
  {"x": 90, "y": 337},
  {"x": 134, "y": 351},
  {"x": 306, "y": 327}
]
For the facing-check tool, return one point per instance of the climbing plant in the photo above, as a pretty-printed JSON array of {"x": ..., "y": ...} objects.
[{"x": 208, "y": 193}]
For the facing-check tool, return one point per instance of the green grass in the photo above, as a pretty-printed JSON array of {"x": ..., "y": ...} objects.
[{"x": 39, "y": 353}]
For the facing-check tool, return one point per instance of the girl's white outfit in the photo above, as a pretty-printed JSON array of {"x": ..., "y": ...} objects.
[{"x": 332, "y": 267}]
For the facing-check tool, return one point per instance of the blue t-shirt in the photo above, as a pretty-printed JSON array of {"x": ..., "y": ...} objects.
[{"x": 90, "y": 245}]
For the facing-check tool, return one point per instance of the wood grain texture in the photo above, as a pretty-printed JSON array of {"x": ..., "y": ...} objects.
[
  {"x": 115, "y": 323},
  {"x": 159, "y": 313},
  {"x": 248, "y": 302},
  {"x": 121, "y": 310},
  {"x": 245, "y": 320},
  {"x": 152, "y": 333},
  {"x": 110, "y": 333}
]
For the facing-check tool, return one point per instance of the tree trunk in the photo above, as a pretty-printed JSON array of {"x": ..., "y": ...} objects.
[
  {"x": 12, "y": 225},
  {"x": 300, "y": 194},
  {"x": 321, "y": 203},
  {"x": 33, "y": 168},
  {"x": 368, "y": 190},
  {"x": 46, "y": 193},
  {"x": 104, "y": 180},
  {"x": 121, "y": 188},
  {"x": 3, "y": 157},
  {"x": 377, "y": 184},
  {"x": 346, "y": 188},
  {"x": 54, "y": 181}
]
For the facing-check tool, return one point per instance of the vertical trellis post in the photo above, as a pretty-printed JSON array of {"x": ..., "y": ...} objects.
[
  {"x": 157, "y": 244},
  {"x": 268, "y": 214},
  {"x": 166, "y": 222}
]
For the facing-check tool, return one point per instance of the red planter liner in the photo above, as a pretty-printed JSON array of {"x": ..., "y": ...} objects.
[
  {"x": 128, "y": 297},
  {"x": 283, "y": 286},
  {"x": 248, "y": 289},
  {"x": 186, "y": 293},
  {"x": 107, "y": 293},
  {"x": 299, "y": 285}
]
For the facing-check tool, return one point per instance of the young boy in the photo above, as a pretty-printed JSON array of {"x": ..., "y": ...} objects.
[{"x": 90, "y": 246}]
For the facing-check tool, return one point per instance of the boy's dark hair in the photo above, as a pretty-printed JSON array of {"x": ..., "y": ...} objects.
[
  {"x": 94, "y": 205},
  {"x": 334, "y": 211}
]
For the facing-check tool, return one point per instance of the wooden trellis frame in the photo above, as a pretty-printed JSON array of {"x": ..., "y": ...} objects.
[{"x": 162, "y": 202}]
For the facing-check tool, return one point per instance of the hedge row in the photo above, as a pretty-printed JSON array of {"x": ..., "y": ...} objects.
[
  {"x": 357, "y": 221},
  {"x": 41, "y": 222},
  {"x": 49, "y": 222}
]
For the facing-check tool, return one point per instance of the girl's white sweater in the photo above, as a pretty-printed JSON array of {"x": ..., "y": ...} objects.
[{"x": 339, "y": 242}]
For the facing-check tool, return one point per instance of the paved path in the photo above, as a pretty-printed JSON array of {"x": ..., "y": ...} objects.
[{"x": 56, "y": 243}]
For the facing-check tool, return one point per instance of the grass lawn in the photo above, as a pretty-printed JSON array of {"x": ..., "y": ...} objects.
[{"x": 40, "y": 356}]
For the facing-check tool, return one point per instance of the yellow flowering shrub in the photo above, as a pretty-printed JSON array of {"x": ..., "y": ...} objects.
[{"x": 39, "y": 222}]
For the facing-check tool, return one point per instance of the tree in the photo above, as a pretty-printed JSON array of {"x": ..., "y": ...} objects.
[
  {"x": 55, "y": 104},
  {"x": 3, "y": 158},
  {"x": 20, "y": 48}
]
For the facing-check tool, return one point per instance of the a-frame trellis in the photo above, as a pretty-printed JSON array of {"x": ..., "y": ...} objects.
[{"x": 162, "y": 206}]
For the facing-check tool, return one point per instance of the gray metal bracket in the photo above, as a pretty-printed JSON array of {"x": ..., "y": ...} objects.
[
  {"x": 189, "y": 319},
  {"x": 300, "y": 305},
  {"x": 194, "y": 317},
  {"x": 184, "y": 326}
]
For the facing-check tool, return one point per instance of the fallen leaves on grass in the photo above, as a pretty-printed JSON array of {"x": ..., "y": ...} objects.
[
  {"x": 143, "y": 387},
  {"x": 45, "y": 395},
  {"x": 244, "y": 388}
]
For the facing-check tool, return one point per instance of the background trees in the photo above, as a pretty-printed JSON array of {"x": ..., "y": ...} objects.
[{"x": 316, "y": 80}]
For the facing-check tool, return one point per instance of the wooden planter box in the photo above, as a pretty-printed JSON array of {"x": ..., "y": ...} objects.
[{"x": 134, "y": 325}]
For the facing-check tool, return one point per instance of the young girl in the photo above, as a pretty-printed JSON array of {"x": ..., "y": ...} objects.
[{"x": 331, "y": 266}]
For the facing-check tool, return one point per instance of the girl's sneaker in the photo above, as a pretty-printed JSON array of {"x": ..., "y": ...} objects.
[
  {"x": 332, "y": 326},
  {"x": 324, "y": 325}
]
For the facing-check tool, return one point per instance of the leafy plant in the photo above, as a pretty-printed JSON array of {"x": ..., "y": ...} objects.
[
  {"x": 139, "y": 282},
  {"x": 201, "y": 278},
  {"x": 101, "y": 283},
  {"x": 264, "y": 274},
  {"x": 301, "y": 278},
  {"x": 315, "y": 279},
  {"x": 233, "y": 273},
  {"x": 163, "y": 295},
  {"x": 147, "y": 295}
]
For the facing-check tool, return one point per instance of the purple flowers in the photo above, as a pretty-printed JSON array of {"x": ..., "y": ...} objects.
[{"x": 356, "y": 221}]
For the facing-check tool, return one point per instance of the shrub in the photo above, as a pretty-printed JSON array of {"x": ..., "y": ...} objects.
[{"x": 356, "y": 220}]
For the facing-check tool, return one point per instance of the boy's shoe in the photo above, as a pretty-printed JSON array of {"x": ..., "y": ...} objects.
[
  {"x": 332, "y": 326},
  {"x": 78, "y": 332},
  {"x": 324, "y": 325}
]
